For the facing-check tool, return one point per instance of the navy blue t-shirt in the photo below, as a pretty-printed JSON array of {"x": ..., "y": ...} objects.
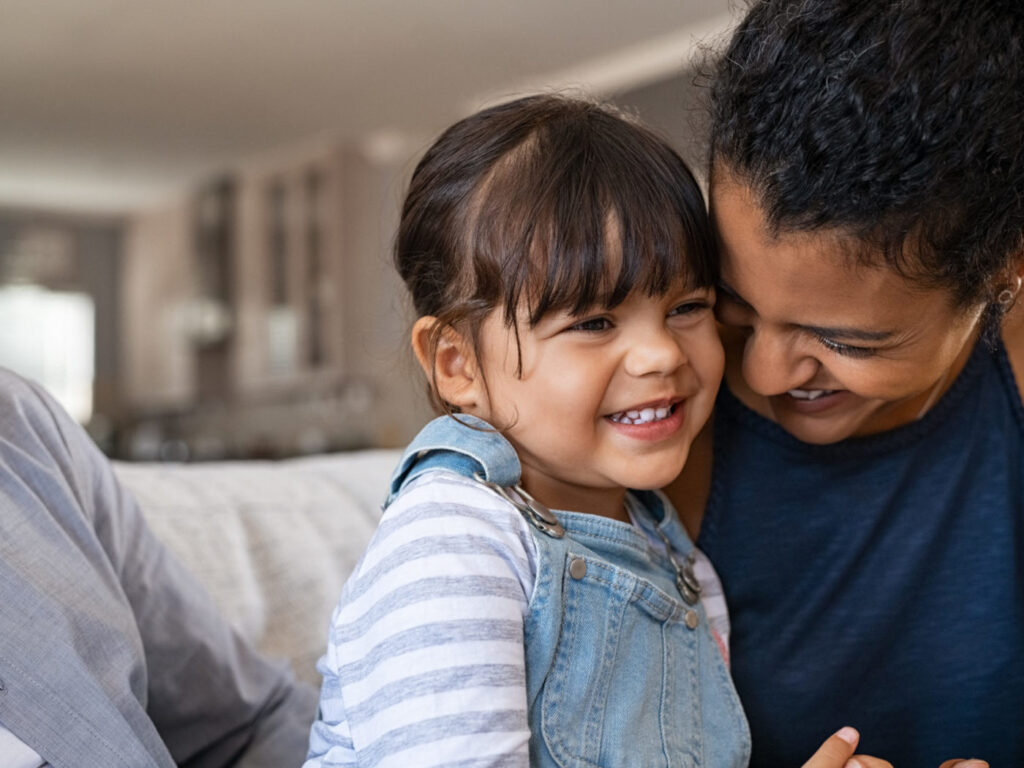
[{"x": 878, "y": 582}]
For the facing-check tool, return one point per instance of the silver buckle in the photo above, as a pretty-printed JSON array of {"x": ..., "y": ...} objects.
[{"x": 542, "y": 518}]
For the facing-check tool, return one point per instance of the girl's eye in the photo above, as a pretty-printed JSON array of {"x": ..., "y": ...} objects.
[
  {"x": 844, "y": 349},
  {"x": 689, "y": 307},
  {"x": 591, "y": 325}
]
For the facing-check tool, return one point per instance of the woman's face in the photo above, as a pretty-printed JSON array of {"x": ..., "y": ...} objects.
[{"x": 827, "y": 348}]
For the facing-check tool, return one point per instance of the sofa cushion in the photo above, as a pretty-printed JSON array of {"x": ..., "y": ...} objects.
[{"x": 272, "y": 541}]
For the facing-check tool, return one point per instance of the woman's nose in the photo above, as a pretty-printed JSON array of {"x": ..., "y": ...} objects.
[
  {"x": 771, "y": 364},
  {"x": 657, "y": 352}
]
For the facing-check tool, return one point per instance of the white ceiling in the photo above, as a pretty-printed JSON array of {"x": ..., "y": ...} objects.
[{"x": 108, "y": 105}]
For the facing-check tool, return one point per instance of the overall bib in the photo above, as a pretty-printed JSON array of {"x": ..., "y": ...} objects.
[{"x": 621, "y": 666}]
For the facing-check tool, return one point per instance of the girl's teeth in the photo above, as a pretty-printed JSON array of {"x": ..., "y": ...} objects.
[
  {"x": 642, "y": 416},
  {"x": 808, "y": 394}
]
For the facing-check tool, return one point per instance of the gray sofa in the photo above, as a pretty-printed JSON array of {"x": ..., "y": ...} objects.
[{"x": 272, "y": 541}]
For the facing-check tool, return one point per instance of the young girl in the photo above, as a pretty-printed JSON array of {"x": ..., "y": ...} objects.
[{"x": 517, "y": 605}]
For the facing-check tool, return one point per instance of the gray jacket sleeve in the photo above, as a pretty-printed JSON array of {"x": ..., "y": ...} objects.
[{"x": 149, "y": 646}]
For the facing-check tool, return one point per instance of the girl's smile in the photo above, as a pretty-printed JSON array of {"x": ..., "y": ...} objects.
[{"x": 655, "y": 421}]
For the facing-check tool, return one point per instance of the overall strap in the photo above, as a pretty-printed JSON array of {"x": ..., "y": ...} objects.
[
  {"x": 460, "y": 443},
  {"x": 473, "y": 448}
]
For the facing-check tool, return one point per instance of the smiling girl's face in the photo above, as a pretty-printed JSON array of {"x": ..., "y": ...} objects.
[
  {"x": 606, "y": 399},
  {"x": 825, "y": 347}
]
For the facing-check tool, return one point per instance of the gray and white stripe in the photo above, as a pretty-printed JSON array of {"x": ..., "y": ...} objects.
[{"x": 425, "y": 661}]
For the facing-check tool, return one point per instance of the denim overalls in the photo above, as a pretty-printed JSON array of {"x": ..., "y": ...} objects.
[{"x": 620, "y": 669}]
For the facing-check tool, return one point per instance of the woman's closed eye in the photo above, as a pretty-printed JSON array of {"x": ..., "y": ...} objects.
[{"x": 847, "y": 350}]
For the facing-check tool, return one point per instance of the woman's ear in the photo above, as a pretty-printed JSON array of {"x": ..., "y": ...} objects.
[
  {"x": 1008, "y": 284},
  {"x": 450, "y": 364}
]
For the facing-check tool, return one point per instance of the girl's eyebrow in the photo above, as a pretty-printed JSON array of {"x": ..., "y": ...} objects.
[{"x": 832, "y": 332}]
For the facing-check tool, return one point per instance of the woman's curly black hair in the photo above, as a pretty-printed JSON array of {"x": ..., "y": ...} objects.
[{"x": 897, "y": 122}]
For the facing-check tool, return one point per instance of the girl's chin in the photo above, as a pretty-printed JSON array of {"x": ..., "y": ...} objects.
[{"x": 656, "y": 478}]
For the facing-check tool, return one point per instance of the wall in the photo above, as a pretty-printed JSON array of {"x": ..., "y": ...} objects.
[
  {"x": 377, "y": 317},
  {"x": 156, "y": 272},
  {"x": 676, "y": 107}
]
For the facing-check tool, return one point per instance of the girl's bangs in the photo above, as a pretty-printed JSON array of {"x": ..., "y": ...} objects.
[
  {"x": 587, "y": 242},
  {"x": 580, "y": 264}
]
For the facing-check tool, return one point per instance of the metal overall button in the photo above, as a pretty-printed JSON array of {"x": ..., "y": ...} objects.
[
  {"x": 691, "y": 619},
  {"x": 578, "y": 568},
  {"x": 542, "y": 518}
]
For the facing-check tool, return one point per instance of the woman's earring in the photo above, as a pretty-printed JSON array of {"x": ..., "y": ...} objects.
[{"x": 1006, "y": 296}]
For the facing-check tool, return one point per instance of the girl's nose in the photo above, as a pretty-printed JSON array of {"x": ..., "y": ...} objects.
[
  {"x": 771, "y": 365},
  {"x": 658, "y": 353}
]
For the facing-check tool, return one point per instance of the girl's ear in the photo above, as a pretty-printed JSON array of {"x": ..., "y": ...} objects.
[{"x": 451, "y": 365}]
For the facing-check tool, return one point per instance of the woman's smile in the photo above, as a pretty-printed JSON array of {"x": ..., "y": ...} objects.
[{"x": 811, "y": 401}]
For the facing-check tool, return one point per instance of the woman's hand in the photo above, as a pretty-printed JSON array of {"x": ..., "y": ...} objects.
[{"x": 837, "y": 752}]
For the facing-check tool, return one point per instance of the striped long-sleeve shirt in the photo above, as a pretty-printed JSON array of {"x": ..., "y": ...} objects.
[{"x": 425, "y": 660}]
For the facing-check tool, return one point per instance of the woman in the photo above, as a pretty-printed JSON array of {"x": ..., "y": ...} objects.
[{"x": 860, "y": 487}]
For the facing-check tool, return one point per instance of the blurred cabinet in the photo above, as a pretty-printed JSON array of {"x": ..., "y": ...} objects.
[
  {"x": 289, "y": 272},
  {"x": 233, "y": 312}
]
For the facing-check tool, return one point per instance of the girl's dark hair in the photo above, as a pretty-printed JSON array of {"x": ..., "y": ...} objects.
[
  {"x": 897, "y": 122},
  {"x": 548, "y": 203}
]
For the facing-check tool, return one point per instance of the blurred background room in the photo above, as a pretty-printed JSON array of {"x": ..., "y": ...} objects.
[{"x": 197, "y": 199}]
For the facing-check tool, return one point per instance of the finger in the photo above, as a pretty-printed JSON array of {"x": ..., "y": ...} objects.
[
  {"x": 866, "y": 761},
  {"x": 964, "y": 764},
  {"x": 836, "y": 751}
]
